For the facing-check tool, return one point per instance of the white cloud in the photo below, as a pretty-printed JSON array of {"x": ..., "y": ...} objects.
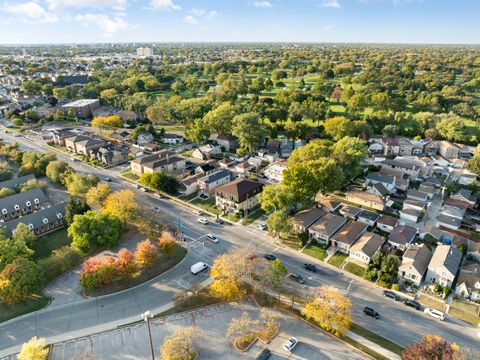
[
  {"x": 108, "y": 26},
  {"x": 333, "y": 4},
  {"x": 164, "y": 5},
  {"x": 212, "y": 14},
  {"x": 190, "y": 19},
  {"x": 29, "y": 11},
  {"x": 96, "y": 4},
  {"x": 198, "y": 12},
  {"x": 328, "y": 28},
  {"x": 262, "y": 4}
]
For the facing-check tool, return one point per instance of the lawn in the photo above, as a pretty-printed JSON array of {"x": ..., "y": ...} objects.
[
  {"x": 34, "y": 303},
  {"x": 317, "y": 251},
  {"x": 431, "y": 302},
  {"x": 355, "y": 269},
  {"x": 377, "y": 339},
  {"x": 257, "y": 214},
  {"x": 337, "y": 259},
  {"x": 44, "y": 245},
  {"x": 208, "y": 205},
  {"x": 465, "y": 311}
]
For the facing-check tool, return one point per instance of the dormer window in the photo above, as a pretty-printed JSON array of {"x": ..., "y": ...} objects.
[
  {"x": 16, "y": 207},
  {"x": 28, "y": 203},
  {"x": 45, "y": 220},
  {"x": 36, "y": 201},
  {"x": 4, "y": 211},
  {"x": 30, "y": 226},
  {"x": 59, "y": 215}
]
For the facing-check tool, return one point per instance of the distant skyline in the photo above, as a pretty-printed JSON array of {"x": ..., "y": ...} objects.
[{"x": 351, "y": 21}]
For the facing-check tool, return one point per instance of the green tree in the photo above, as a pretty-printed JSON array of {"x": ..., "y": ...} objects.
[
  {"x": 274, "y": 273},
  {"x": 275, "y": 197},
  {"x": 57, "y": 170},
  {"x": 249, "y": 130},
  {"x": 10, "y": 250},
  {"x": 279, "y": 223},
  {"x": 219, "y": 120},
  {"x": 75, "y": 206},
  {"x": 6, "y": 171},
  {"x": 338, "y": 127},
  {"x": 97, "y": 195},
  {"x": 197, "y": 131},
  {"x": 4, "y": 192},
  {"x": 22, "y": 234},
  {"x": 160, "y": 181},
  {"x": 79, "y": 184},
  {"x": 122, "y": 205},
  {"x": 19, "y": 280}
]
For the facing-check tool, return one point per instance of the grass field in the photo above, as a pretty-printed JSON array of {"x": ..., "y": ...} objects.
[
  {"x": 355, "y": 269},
  {"x": 34, "y": 303},
  {"x": 465, "y": 311},
  {"x": 337, "y": 259},
  {"x": 45, "y": 244},
  {"x": 430, "y": 302},
  {"x": 317, "y": 251},
  {"x": 208, "y": 205},
  {"x": 377, "y": 339}
]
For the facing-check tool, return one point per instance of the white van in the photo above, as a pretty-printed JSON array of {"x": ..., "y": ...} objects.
[
  {"x": 198, "y": 267},
  {"x": 435, "y": 313}
]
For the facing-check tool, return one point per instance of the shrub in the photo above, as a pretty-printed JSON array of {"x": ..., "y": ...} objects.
[
  {"x": 96, "y": 273},
  {"x": 145, "y": 254},
  {"x": 60, "y": 261},
  {"x": 395, "y": 287},
  {"x": 437, "y": 288}
]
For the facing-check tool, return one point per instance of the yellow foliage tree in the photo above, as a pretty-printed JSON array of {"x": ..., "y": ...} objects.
[
  {"x": 121, "y": 204},
  {"x": 166, "y": 244},
  {"x": 330, "y": 309},
  {"x": 107, "y": 122},
  {"x": 180, "y": 345},
  {"x": 98, "y": 194},
  {"x": 227, "y": 288},
  {"x": 34, "y": 349}
]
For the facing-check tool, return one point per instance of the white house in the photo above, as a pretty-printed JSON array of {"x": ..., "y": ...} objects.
[
  {"x": 172, "y": 139},
  {"x": 274, "y": 172},
  {"x": 207, "y": 184},
  {"x": 402, "y": 236},
  {"x": 376, "y": 178},
  {"x": 414, "y": 264},
  {"x": 468, "y": 282},
  {"x": 365, "y": 247},
  {"x": 443, "y": 266}
]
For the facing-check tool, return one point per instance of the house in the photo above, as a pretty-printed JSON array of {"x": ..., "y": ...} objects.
[
  {"x": 228, "y": 143},
  {"x": 71, "y": 142},
  {"x": 274, "y": 171},
  {"x": 430, "y": 190},
  {"x": 410, "y": 214},
  {"x": 430, "y": 148},
  {"x": 405, "y": 147},
  {"x": 59, "y": 136},
  {"x": 467, "y": 179},
  {"x": 305, "y": 218},
  {"x": 112, "y": 156},
  {"x": 466, "y": 196},
  {"x": 448, "y": 222},
  {"x": 205, "y": 169},
  {"x": 238, "y": 195},
  {"x": 464, "y": 152},
  {"x": 388, "y": 182},
  {"x": 365, "y": 247},
  {"x": 391, "y": 146},
  {"x": 414, "y": 204},
  {"x": 144, "y": 138},
  {"x": 404, "y": 166},
  {"x": 401, "y": 236},
  {"x": 21, "y": 204},
  {"x": 207, "y": 184},
  {"x": 468, "y": 282},
  {"x": 443, "y": 266},
  {"x": 402, "y": 180},
  {"x": 16, "y": 182},
  {"x": 206, "y": 152},
  {"x": 365, "y": 199},
  {"x": 325, "y": 227},
  {"x": 150, "y": 147},
  {"x": 378, "y": 189},
  {"x": 417, "y": 147},
  {"x": 350, "y": 212},
  {"x": 387, "y": 223},
  {"x": 189, "y": 185},
  {"x": 328, "y": 204},
  {"x": 369, "y": 218},
  {"x": 455, "y": 208},
  {"x": 83, "y": 108},
  {"x": 348, "y": 235},
  {"x": 414, "y": 265},
  {"x": 473, "y": 251},
  {"x": 88, "y": 146},
  {"x": 165, "y": 161},
  {"x": 41, "y": 222},
  {"x": 375, "y": 148},
  {"x": 448, "y": 150},
  {"x": 172, "y": 139},
  {"x": 416, "y": 195}
]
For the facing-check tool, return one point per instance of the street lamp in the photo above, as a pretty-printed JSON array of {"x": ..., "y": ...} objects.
[{"x": 147, "y": 316}]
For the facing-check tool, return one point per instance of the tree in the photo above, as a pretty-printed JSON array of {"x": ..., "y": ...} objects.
[
  {"x": 243, "y": 328},
  {"x": 330, "y": 309},
  {"x": 96, "y": 273},
  {"x": 10, "y": 250},
  {"x": 75, "y": 206},
  {"x": 279, "y": 223},
  {"x": 167, "y": 244},
  {"x": 92, "y": 229},
  {"x": 219, "y": 120},
  {"x": 145, "y": 254},
  {"x": 180, "y": 345},
  {"x": 249, "y": 130},
  {"x": 197, "y": 131},
  {"x": 23, "y": 234},
  {"x": 97, "y": 195},
  {"x": 107, "y": 122},
  {"x": 432, "y": 347},
  {"x": 274, "y": 273},
  {"x": 79, "y": 184},
  {"x": 160, "y": 181},
  {"x": 338, "y": 127},
  {"x": 474, "y": 163},
  {"x": 34, "y": 349},
  {"x": 6, "y": 171},
  {"x": 300, "y": 180},
  {"x": 122, "y": 205},
  {"x": 4, "y": 192},
  {"x": 58, "y": 170},
  {"x": 19, "y": 280},
  {"x": 275, "y": 197},
  {"x": 125, "y": 264}
]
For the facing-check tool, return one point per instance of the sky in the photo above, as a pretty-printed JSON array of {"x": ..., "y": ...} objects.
[{"x": 359, "y": 21}]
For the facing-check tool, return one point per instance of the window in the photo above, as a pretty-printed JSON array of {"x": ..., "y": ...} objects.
[{"x": 16, "y": 207}]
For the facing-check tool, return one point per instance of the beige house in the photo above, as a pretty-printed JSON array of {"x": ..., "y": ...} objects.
[
  {"x": 238, "y": 195},
  {"x": 305, "y": 218},
  {"x": 468, "y": 282},
  {"x": 348, "y": 235},
  {"x": 88, "y": 146},
  {"x": 414, "y": 264},
  {"x": 372, "y": 201},
  {"x": 363, "y": 250},
  {"x": 166, "y": 161},
  {"x": 443, "y": 266},
  {"x": 447, "y": 150},
  {"x": 325, "y": 227}
]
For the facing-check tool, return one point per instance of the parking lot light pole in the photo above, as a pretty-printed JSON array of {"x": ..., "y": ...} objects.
[{"x": 147, "y": 316}]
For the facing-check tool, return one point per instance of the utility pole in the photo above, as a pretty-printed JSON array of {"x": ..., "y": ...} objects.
[{"x": 147, "y": 316}]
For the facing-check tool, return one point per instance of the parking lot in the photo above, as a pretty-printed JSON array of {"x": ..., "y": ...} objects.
[{"x": 212, "y": 322}]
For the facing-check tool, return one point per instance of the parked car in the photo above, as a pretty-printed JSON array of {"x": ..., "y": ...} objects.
[
  {"x": 264, "y": 355},
  {"x": 391, "y": 295},
  {"x": 412, "y": 303},
  {"x": 437, "y": 314},
  {"x": 73, "y": 159},
  {"x": 203, "y": 221},
  {"x": 144, "y": 189},
  {"x": 212, "y": 238},
  {"x": 107, "y": 180},
  {"x": 297, "y": 277},
  {"x": 290, "y": 344},
  {"x": 262, "y": 226},
  {"x": 157, "y": 209},
  {"x": 370, "y": 312},
  {"x": 136, "y": 186},
  {"x": 198, "y": 268},
  {"x": 198, "y": 212},
  {"x": 310, "y": 267},
  {"x": 270, "y": 257},
  {"x": 219, "y": 221}
]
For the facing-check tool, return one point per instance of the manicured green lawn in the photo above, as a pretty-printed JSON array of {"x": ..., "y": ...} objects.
[
  {"x": 208, "y": 205},
  {"x": 377, "y": 339},
  {"x": 34, "y": 303},
  {"x": 256, "y": 214},
  {"x": 315, "y": 250},
  {"x": 465, "y": 311},
  {"x": 337, "y": 259},
  {"x": 355, "y": 269},
  {"x": 44, "y": 245}
]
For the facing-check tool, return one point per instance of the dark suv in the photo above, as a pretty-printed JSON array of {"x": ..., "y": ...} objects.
[
  {"x": 270, "y": 257},
  {"x": 264, "y": 355},
  {"x": 298, "y": 278},
  {"x": 370, "y": 312},
  {"x": 310, "y": 267},
  {"x": 412, "y": 303},
  {"x": 391, "y": 295}
]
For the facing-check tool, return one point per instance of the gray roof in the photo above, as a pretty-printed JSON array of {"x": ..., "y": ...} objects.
[
  {"x": 350, "y": 232},
  {"x": 375, "y": 176},
  {"x": 380, "y": 189},
  {"x": 415, "y": 194},
  {"x": 417, "y": 256},
  {"x": 369, "y": 215},
  {"x": 37, "y": 218},
  {"x": 448, "y": 220},
  {"x": 448, "y": 256},
  {"x": 20, "y": 199},
  {"x": 402, "y": 164},
  {"x": 465, "y": 193},
  {"x": 328, "y": 224},
  {"x": 13, "y": 183},
  {"x": 402, "y": 234},
  {"x": 368, "y": 244},
  {"x": 350, "y": 210},
  {"x": 215, "y": 176},
  {"x": 306, "y": 218}
]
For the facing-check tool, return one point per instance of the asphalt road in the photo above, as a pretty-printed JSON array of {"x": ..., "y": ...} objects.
[{"x": 398, "y": 322}]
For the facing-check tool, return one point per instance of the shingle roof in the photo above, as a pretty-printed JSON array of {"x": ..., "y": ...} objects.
[
  {"x": 215, "y": 176},
  {"x": 369, "y": 215},
  {"x": 240, "y": 188},
  {"x": 20, "y": 199},
  {"x": 415, "y": 194},
  {"x": 402, "y": 234},
  {"x": 13, "y": 183},
  {"x": 353, "y": 211},
  {"x": 417, "y": 256},
  {"x": 380, "y": 189},
  {"x": 448, "y": 256},
  {"x": 375, "y": 176},
  {"x": 399, "y": 164},
  {"x": 328, "y": 224},
  {"x": 349, "y": 232},
  {"x": 449, "y": 220},
  {"x": 306, "y": 218},
  {"x": 368, "y": 244},
  {"x": 387, "y": 220}
]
